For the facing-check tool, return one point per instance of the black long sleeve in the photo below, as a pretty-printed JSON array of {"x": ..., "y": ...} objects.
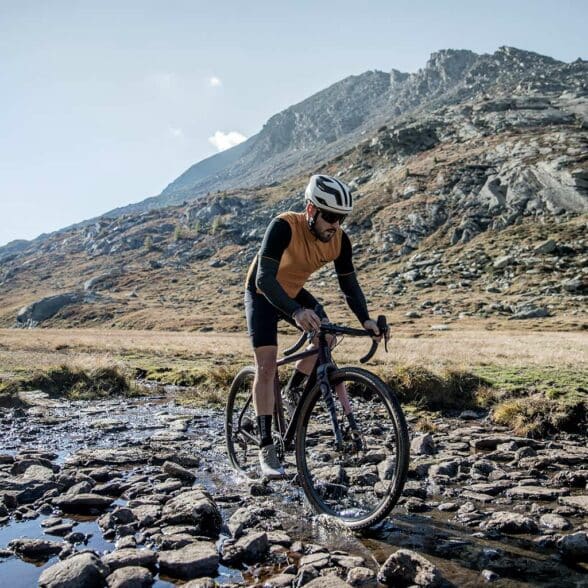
[
  {"x": 276, "y": 239},
  {"x": 348, "y": 282}
]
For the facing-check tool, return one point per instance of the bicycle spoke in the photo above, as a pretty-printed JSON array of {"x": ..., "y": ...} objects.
[
  {"x": 361, "y": 481},
  {"x": 241, "y": 425}
]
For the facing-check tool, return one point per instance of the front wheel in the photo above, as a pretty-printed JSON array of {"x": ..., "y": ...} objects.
[
  {"x": 360, "y": 480},
  {"x": 241, "y": 432}
]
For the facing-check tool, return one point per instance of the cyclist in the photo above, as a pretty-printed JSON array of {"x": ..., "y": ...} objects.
[{"x": 294, "y": 246}]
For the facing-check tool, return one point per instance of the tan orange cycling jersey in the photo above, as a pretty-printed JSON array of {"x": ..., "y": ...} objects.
[{"x": 304, "y": 255}]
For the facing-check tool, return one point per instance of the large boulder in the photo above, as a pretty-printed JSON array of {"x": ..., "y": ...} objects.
[
  {"x": 45, "y": 308},
  {"x": 196, "y": 508},
  {"x": 406, "y": 568},
  {"x": 192, "y": 561},
  {"x": 84, "y": 570}
]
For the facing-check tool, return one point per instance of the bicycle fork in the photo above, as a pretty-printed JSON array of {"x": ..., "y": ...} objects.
[{"x": 329, "y": 399}]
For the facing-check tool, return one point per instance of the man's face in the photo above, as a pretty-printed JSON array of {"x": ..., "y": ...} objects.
[{"x": 324, "y": 230}]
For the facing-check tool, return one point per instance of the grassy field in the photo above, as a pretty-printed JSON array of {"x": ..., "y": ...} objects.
[{"x": 532, "y": 381}]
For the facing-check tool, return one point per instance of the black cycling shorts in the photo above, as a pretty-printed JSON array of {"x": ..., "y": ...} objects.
[{"x": 263, "y": 316}]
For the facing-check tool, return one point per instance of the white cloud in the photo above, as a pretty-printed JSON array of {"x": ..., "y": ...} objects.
[
  {"x": 176, "y": 132},
  {"x": 214, "y": 82},
  {"x": 224, "y": 141}
]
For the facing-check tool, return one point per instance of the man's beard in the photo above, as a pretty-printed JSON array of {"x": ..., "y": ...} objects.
[{"x": 325, "y": 236}]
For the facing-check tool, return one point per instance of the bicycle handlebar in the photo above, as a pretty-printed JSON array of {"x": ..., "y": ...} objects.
[{"x": 340, "y": 330}]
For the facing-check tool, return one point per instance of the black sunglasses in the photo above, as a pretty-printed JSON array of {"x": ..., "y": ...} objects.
[{"x": 333, "y": 217}]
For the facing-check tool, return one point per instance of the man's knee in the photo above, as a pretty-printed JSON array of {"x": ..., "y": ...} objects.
[{"x": 265, "y": 362}]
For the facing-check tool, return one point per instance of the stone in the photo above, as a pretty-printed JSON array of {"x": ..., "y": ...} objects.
[
  {"x": 45, "y": 308},
  {"x": 406, "y": 567},
  {"x": 554, "y": 521},
  {"x": 177, "y": 471},
  {"x": 194, "y": 507},
  {"x": 510, "y": 522},
  {"x": 580, "y": 502},
  {"x": 83, "y": 570},
  {"x": 130, "y": 577},
  {"x": 197, "y": 559},
  {"x": 280, "y": 581},
  {"x": 423, "y": 445},
  {"x": 35, "y": 548},
  {"x": 504, "y": 261},
  {"x": 200, "y": 583},
  {"x": 242, "y": 519},
  {"x": 250, "y": 548},
  {"x": 574, "y": 546},
  {"x": 536, "y": 492},
  {"x": 545, "y": 248},
  {"x": 361, "y": 577},
  {"x": 330, "y": 581},
  {"x": 82, "y": 503},
  {"x": 121, "y": 558}
]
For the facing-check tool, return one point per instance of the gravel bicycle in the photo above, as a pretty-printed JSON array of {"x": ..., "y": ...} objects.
[{"x": 348, "y": 429}]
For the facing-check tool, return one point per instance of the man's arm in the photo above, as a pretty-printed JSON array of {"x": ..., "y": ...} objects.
[
  {"x": 348, "y": 282},
  {"x": 276, "y": 239}
]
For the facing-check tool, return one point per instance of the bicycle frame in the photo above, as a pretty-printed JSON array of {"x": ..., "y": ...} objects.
[{"x": 319, "y": 372}]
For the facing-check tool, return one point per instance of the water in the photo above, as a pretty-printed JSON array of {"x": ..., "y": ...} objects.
[{"x": 456, "y": 549}]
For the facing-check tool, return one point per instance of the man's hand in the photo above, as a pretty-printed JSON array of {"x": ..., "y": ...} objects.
[
  {"x": 307, "y": 320},
  {"x": 372, "y": 326}
]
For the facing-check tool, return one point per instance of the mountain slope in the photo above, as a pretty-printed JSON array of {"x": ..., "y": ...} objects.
[{"x": 475, "y": 209}]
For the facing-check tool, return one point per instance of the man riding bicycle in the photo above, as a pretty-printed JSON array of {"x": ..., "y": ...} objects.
[{"x": 295, "y": 245}]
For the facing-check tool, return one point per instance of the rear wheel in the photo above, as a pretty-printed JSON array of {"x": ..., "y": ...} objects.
[
  {"x": 241, "y": 432},
  {"x": 361, "y": 481}
]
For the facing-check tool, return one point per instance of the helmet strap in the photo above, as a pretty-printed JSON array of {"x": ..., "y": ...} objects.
[{"x": 312, "y": 222}]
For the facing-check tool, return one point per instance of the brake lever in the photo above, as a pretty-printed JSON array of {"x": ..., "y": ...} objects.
[{"x": 383, "y": 328}]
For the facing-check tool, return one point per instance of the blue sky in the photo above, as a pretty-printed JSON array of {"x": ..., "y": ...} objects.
[{"x": 104, "y": 103}]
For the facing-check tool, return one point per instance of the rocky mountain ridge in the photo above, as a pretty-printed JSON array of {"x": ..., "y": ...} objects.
[
  {"x": 476, "y": 208},
  {"x": 333, "y": 120}
]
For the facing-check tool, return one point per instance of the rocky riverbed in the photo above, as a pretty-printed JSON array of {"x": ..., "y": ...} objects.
[{"x": 138, "y": 492}]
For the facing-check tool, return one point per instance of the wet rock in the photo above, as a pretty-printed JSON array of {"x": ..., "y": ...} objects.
[
  {"x": 83, "y": 503},
  {"x": 489, "y": 576},
  {"x": 317, "y": 560},
  {"x": 447, "y": 468},
  {"x": 536, "y": 492},
  {"x": 130, "y": 557},
  {"x": 509, "y": 522},
  {"x": 109, "y": 425},
  {"x": 250, "y": 548},
  {"x": 146, "y": 514},
  {"x": 194, "y": 507},
  {"x": 197, "y": 559},
  {"x": 330, "y": 581},
  {"x": 554, "y": 521},
  {"x": 578, "y": 502},
  {"x": 243, "y": 518},
  {"x": 361, "y": 577},
  {"x": 130, "y": 577},
  {"x": 60, "y": 529},
  {"x": 423, "y": 445},
  {"x": 200, "y": 583},
  {"x": 177, "y": 471},
  {"x": 35, "y": 548},
  {"x": 574, "y": 546},
  {"x": 406, "y": 567},
  {"x": 84, "y": 570},
  {"x": 109, "y": 457}
]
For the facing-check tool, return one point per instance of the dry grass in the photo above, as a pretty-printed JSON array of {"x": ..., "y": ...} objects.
[{"x": 495, "y": 370}]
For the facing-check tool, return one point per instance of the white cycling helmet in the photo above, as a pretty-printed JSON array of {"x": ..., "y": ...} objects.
[{"x": 328, "y": 193}]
